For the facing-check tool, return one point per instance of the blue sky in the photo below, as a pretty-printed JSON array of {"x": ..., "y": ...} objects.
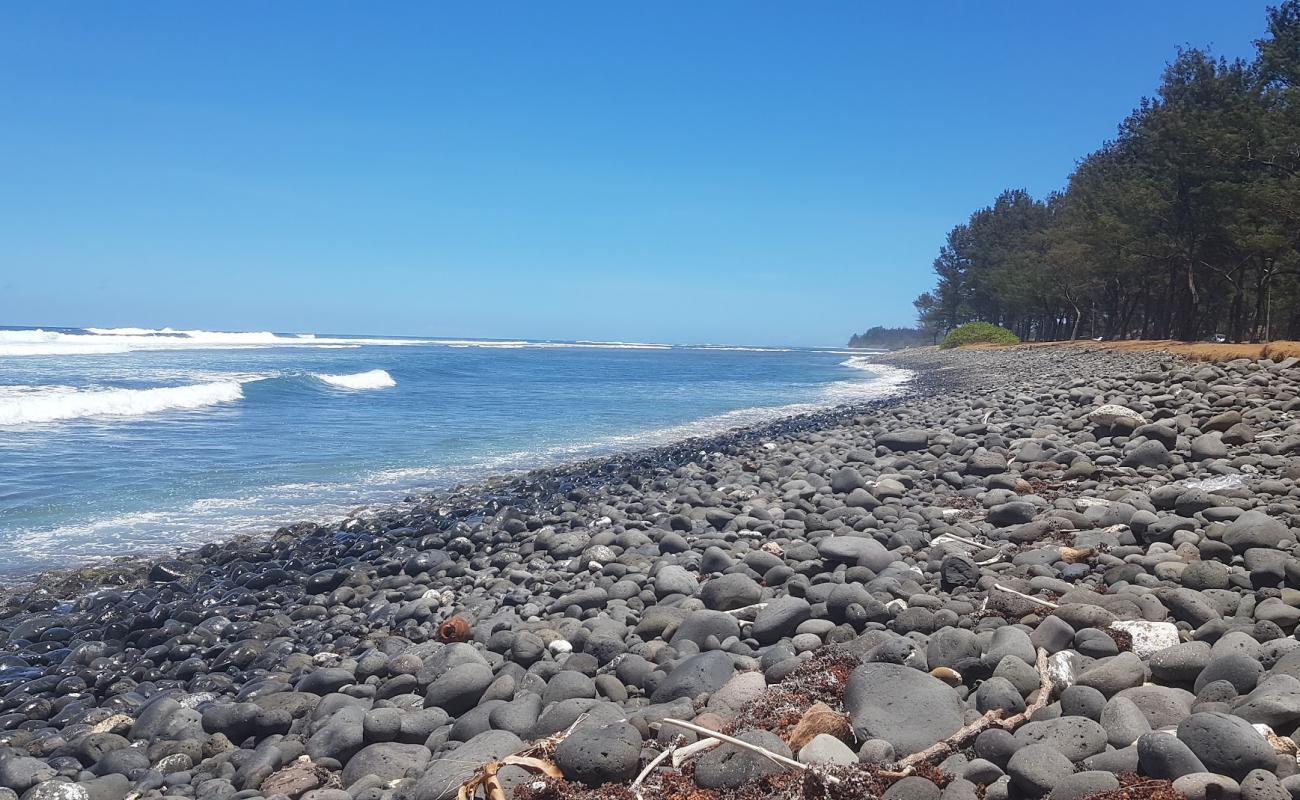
[{"x": 746, "y": 172}]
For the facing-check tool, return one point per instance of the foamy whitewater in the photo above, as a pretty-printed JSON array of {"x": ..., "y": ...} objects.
[{"x": 117, "y": 441}]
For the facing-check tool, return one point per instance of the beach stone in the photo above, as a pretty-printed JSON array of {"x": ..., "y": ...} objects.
[
  {"x": 998, "y": 693},
  {"x": 1036, "y": 769},
  {"x": 1226, "y": 744},
  {"x": 854, "y": 551},
  {"x": 957, "y": 570},
  {"x": 1114, "y": 674},
  {"x": 1111, "y": 414},
  {"x": 827, "y": 749},
  {"x": 1208, "y": 446},
  {"x": 1202, "y": 575},
  {"x": 1207, "y": 786},
  {"x": 697, "y": 626},
  {"x": 1255, "y": 529},
  {"x": 846, "y": 479},
  {"x": 594, "y": 755},
  {"x": 913, "y": 787},
  {"x": 779, "y": 619},
  {"x": 1242, "y": 671},
  {"x": 1263, "y": 785},
  {"x": 672, "y": 579},
  {"x": 459, "y": 688},
  {"x": 876, "y": 751},
  {"x": 982, "y": 772},
  {"x": 1148, "y": 638},
  {"x": 445, "y": 774},
  {"x": 729, "y": 767},
  {"x": 1084, "y": 784},
  {"x": 1074, "y": 737},
  {"x": 905, "y": 707},
  {"x": 728, "y": 592},
  {"x": 56, "y": 790},
  {"x": 1123, "y": 722},
  {"x": 386, "y": 760},
  {"x": 1151, "y": 453},
  {"x": 1010, "y": 641},
  {"x": 1161, "y": 755},
  {"x": 1082, "y": 701},
  {"x": 1181, "y": 663},
  {"x": 905, "y": 440},
  {"x": 20, "y": 773},
  {"x": 741, "y": 689},
  {"x": 699, "y": 674}
]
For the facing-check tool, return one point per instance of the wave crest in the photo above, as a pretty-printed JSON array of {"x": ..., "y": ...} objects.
[
  {"x": 371, "y": 379},
  {"x": 54, "y": 404},
  {"x": 104, "y": 341}
]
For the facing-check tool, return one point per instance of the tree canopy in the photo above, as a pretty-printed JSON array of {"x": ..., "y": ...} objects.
[
  {"x": 1186, "y": 225},
  {"x": 888, "y": 338}
]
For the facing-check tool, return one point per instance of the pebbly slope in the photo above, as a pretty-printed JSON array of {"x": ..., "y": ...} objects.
[{"x": 1069, "y": 565}]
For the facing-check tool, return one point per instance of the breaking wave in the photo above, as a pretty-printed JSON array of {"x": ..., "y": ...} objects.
[
  {"x": 371, "y": 379},
  {"x": 33, "y": 405}
]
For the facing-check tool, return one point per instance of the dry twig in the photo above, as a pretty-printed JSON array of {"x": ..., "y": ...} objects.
[{"x": 993, "y": 718}]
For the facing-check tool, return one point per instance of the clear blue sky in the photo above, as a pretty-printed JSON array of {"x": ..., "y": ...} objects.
[{"x": 747, "y": 172}]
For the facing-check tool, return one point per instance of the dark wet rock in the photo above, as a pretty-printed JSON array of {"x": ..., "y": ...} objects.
[
  {"x": 779, "y": 619},
  {"x": 447, "y": 772},
  {"x": 905, "y": 707},
  {"x": 1036, "y": 769},
  {"x": 1161, "y": 755},
  {"x": 594, "y": 755},
  {"x": 1084, "y": 784},
  {"x": 1074, "y": 737},
  {"x": 700, "y": 674},
  {"x": 1226, "y": 744},
  {"x": 729, "y": 767},
  {"x": 386, "y": 760}
]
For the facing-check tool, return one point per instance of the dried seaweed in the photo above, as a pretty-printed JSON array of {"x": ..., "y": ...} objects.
[{"x": 1135, "y": 787}]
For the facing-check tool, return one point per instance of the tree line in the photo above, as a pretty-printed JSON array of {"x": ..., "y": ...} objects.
[
  {"x": 1186, "y": 225},
  {"x": 881, "y": 338}
]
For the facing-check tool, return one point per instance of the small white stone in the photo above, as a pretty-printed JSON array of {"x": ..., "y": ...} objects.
[
  {"x": 1149, "y": 638},
  {"x": 559, "y": 647},
  {"x": 1061, "y": 670}
]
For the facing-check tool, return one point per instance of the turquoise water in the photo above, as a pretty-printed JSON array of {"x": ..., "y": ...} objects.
[{"x": 131, "y": 441}]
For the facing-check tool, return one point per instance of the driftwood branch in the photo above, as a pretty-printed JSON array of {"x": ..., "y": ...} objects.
[
  {"x": 685, "y": 752},
  {"x": 747, "y": 613},
  {"x": 991, "y": 719},
  {"x": 962, "y": 539},
  {"x": 654, "y": 762},
  {"x": 1024, "y": 596},
  {"x": 776, "y": 758},
  {"x": 952, "y": 743}
]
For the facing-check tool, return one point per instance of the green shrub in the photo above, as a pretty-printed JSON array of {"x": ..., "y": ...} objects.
[{"x": 978, "y": 333}]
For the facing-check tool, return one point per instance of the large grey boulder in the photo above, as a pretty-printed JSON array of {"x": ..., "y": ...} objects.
[{"x": 905, "y": 707}]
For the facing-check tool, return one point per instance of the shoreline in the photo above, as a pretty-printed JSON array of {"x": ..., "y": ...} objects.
[
  {"x": 1001, "y": 583},
  {"x": 132, "y": 570}
]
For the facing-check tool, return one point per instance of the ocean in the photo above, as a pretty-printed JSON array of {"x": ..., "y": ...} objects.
[{"x": 134, "y": 441}]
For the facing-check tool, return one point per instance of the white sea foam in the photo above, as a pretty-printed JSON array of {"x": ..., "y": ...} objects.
[
  {"x": 372, "y": 379},
  {"x": 101, "y": 341},
  {"x": 34, "y": 405}
]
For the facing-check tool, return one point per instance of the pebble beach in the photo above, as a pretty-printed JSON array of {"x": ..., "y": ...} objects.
[{"x": 1058, "y": 572}]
